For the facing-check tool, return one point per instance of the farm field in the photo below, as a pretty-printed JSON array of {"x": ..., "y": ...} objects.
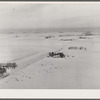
[{"x": 79, "y": 69}]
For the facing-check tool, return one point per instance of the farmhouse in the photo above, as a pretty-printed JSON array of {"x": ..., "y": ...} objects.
[{"x": 56, "y": 55}]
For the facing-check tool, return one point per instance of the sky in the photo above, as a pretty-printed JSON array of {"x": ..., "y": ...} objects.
[{"x": 49, "y": 15}]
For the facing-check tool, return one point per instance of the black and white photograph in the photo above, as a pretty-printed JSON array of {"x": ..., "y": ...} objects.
[{"x": 49, "y": 45}]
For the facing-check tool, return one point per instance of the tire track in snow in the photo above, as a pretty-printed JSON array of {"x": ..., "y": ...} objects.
[
  {"x": 26, "y": 64},
  {"x": 23, "y": 57}
]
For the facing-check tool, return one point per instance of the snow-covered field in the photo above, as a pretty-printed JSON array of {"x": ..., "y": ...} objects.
[{"x": 80, "y": 69}]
